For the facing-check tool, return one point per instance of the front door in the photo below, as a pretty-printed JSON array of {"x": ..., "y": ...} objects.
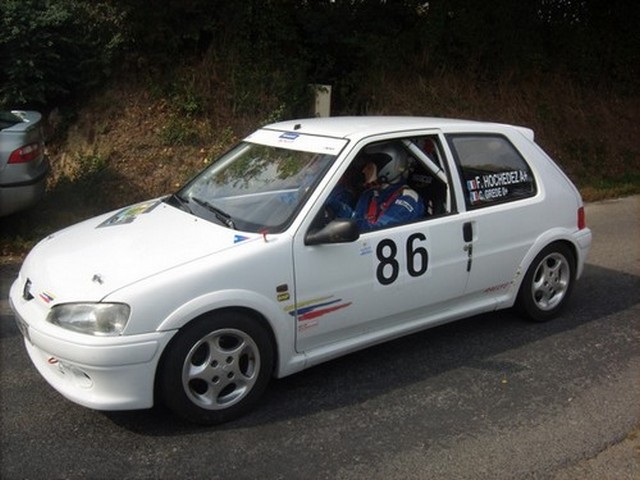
[
  {"x": 403, "y": 273},
  {"x": 386, "y": 279}
]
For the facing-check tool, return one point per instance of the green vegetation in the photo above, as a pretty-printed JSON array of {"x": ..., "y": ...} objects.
[
  {"x": 53, "y": 50},
  {"x": 265, "y": 50},
  {"x": 141, "y": 94}
]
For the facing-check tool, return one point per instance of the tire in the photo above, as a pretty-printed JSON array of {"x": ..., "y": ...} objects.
[
  {"x": 548, "y": 283},
  {"x": 217, "y": 368}
]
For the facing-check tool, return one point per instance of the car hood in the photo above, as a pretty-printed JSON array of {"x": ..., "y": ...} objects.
[{"x": 90, "y": 260}]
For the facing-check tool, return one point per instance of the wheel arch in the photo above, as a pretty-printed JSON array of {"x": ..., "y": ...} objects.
[
  {"x": 561, "y": 241},
  {"x": 260, "y": 308},
  {"x": 278, "y": 323},
  {"x": 253, "y": 314},
  {"x": 197, "y": 315},
  {"x": 544, "y": 241},
  {"x": 522, "y": 301}
]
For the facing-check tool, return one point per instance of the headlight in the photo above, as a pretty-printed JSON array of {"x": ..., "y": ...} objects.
[{"x": 100, "y": 319}]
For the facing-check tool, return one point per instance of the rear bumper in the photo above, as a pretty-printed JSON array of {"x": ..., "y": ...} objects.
[
  {"x": 583, "y": 241},
  {"x": 24, "y": 194}
]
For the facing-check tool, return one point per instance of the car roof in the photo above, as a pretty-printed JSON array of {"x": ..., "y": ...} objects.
[{"x": 363, "y": 126}]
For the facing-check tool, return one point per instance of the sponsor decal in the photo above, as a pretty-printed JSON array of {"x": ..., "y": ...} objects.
[
  {"x": 282, "y": 292},
  {"x": 283, "y": 297},
  {"x": 366, "y": 249},
  {"x": 239, "y": 238},
  {"x": 317, "y": 307},
  {"x": 46, "y": 297},
  {"x": 494, "y": 186},
  {"x": 497, "y": 288},
  {"x": 129, "y": 214},
  {"x": 304, "y": 326},
  {"x": 290, "y": 136},
  {"x": 403, "y": 203}
]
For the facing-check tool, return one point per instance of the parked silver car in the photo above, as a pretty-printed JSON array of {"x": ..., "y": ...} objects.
[{"x": 24, "y": 166}]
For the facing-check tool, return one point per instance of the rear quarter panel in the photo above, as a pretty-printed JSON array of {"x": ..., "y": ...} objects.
[{"x": 555, "y": 213}]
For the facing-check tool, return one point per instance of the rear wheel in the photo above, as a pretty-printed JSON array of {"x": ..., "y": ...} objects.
[
  {"x": 548, "y": 283},
  {"x": 217, "y": 368}
]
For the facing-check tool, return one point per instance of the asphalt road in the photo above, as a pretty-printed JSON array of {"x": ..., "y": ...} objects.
[{"x": 490, "y": 397}]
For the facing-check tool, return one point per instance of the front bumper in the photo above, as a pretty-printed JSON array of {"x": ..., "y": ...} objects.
[{"x": 103, "y": 373}]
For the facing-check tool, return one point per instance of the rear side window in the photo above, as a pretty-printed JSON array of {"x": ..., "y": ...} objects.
[{"x": 491, "y": 169}]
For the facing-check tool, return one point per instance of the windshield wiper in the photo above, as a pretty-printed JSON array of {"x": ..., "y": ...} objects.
[
  {"x": 221, "y": 215},
  {"x": 180, "y": 202}
]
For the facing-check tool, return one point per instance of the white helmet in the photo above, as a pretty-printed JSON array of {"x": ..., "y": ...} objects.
[{"x": 393, "y": 162}]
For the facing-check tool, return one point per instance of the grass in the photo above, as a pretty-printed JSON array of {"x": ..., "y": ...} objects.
[{"x": 604, "y": 188}]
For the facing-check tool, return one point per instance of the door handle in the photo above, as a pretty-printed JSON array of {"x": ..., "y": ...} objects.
[
  {"x": 467, "y": 232},
  {"x": 467, "y": 235},
  {"x": 469, "y": 249}
]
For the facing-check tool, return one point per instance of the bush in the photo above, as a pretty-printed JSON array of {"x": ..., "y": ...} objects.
[{"x": 52, "y": 49}]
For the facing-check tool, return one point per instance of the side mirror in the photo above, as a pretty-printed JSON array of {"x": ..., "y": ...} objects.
[{"x": 337, "y": 231}]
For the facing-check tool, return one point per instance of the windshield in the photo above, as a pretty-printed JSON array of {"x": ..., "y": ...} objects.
[{"x": 254, "y": 188}]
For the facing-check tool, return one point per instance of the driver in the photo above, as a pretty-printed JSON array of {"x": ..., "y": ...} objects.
[{"x": 387, "y": 200}]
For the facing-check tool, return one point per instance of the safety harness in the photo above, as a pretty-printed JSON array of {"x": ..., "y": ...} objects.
[{"x": 375, "y": 211}]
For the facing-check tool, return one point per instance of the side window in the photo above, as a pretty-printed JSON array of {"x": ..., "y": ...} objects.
[
  {"x": 492, "y": 171},
  {"x": 390, "y": 183},
  {"x": 429, "y": 177}
]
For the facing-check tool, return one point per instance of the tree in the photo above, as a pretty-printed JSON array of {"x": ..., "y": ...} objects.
[{"x": 52, "y": 49}]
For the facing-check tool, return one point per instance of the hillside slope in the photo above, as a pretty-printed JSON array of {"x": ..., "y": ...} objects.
[{"x": 134, "y": 141}]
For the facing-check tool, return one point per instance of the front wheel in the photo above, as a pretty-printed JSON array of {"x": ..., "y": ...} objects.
[
  {"x": 217, "y": 368},
  {"x": 547, "y": 284}
]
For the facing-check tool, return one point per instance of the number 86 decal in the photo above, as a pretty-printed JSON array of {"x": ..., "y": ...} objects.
[{"x": 388, "y": 268}]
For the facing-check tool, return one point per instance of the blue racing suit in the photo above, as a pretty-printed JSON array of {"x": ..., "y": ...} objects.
[
  {"x": 393, "y": 205},
  {"x": 377, "y": 208}
]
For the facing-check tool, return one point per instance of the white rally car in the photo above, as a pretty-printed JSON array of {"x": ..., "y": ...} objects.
[{"x": 260, "y": 266}]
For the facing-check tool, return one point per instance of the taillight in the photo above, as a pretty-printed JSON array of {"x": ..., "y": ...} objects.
[
  {"x": 26, "y": 153},
  {"x": 582, "y": 221}
]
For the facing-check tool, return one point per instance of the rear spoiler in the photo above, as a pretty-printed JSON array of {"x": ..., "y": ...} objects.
[
  {"x": 29, "y": 120},
  {"x": 527, "y": 132}
]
